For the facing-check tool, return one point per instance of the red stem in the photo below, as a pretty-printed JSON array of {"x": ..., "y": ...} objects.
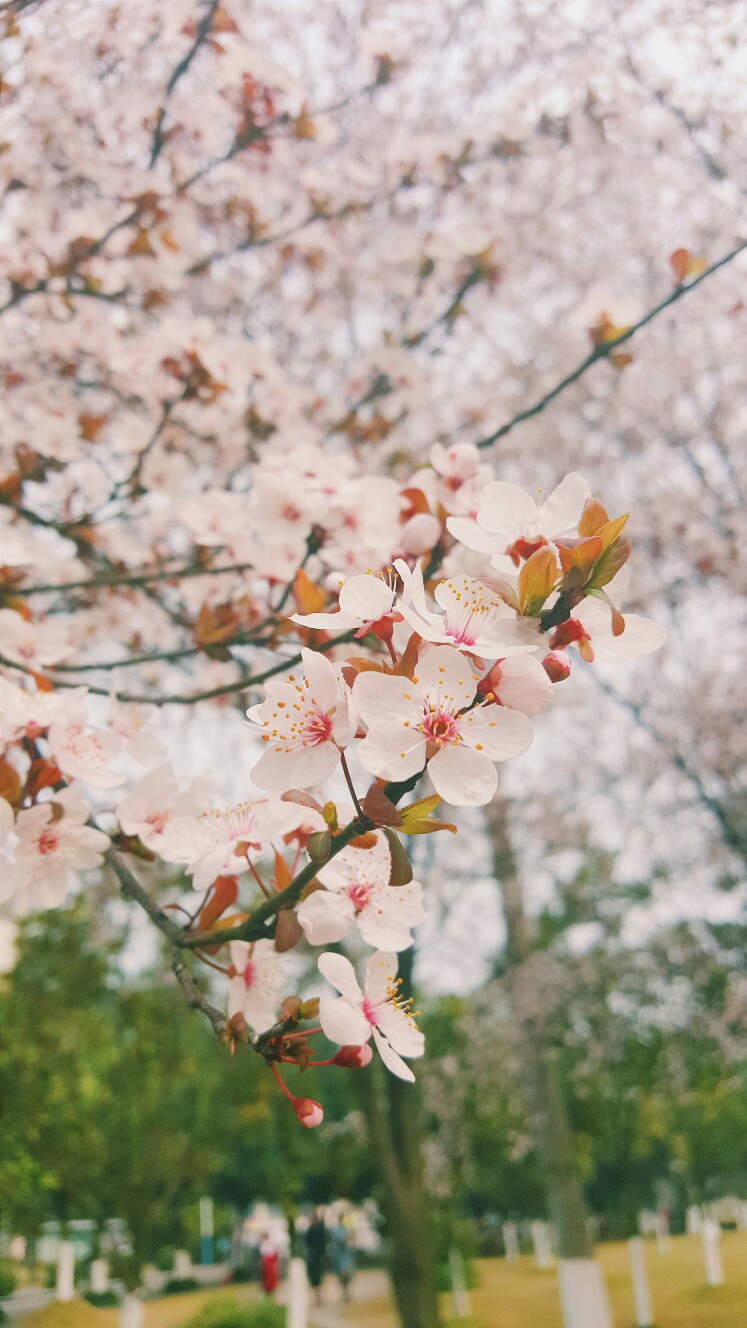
[{"x": 284, "y": 1087}]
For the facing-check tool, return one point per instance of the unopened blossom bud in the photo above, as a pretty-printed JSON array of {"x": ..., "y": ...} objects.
[
  {"x": 309, "y": 1112},
  {"x": 557, "y": 666},
  {"x": 354, "y": 1058},
  {"x": 420, "y": 534}
]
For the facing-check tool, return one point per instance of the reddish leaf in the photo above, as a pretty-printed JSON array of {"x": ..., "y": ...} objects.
[
  {"x": 288, "y": 931},
  {"x": 379, "y": 808},
  {"x": 224, "y": 893}
]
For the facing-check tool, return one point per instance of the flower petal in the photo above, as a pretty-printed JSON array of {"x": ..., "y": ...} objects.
[
  {"x": 506, "y": 510},
  {"x": 501, "y": 734},
  {"x": 392, "y": 751},
  {"x": 340, "y": 972},
  {"x": 342, "y": 1022},
  {"x": 470, "y": 535},
  {"x": 445, "y": 678},
  {"x": 559, "y": 514},
  {"x": 325, "y": 917},
  {"x": 365, "y": 598},
  {"x": 463, "y": 777},
  {"x": 392, "y": 1061},
  {"x": 378, "y": 697}
]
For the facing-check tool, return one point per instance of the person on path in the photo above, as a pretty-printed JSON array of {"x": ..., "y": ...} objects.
[
  {"x": 269, "y": 1263},
  {"x": 316, "y": 1250},
  {"x": 341, "y": 1258}
]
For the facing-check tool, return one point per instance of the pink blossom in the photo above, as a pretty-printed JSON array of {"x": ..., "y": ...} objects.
[
  {"x": 36, "y": 645},
  {"x": 357, "y": 890},
  {"x": 377, "y": 1011},
  {"x": 53, "y": 845},
  {"x": 430, "y": 719},
  {"x": 306, "y": 725},
  {"x": 255, "y": 989}
]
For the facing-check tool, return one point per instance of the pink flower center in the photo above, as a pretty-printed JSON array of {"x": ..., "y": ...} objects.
[
  {"x": 441, "y": 727},
  {"x": 369, "y": 1011},
  {"x": 316, "y": 729},
  {"x": 47, "y": 842},
  {"x": 249, "y": 974},
  {"x": 358, "y": 893}
]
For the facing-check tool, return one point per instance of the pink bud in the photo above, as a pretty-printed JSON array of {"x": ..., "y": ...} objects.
[
  {"x": 354, "y": 1058},
  {"x": 420, "y": 533},
  {"x": 557, "y": 666},
  {"x": 309, "y": 1112}
]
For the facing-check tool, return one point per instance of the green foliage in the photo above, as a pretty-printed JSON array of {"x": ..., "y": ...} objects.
[
  {"x": 7, "y": 1280},
  {"x": 228, "y": 1314},
  {"x": 102, "y": 1300},
  {"x": 176, "y": 1286}
]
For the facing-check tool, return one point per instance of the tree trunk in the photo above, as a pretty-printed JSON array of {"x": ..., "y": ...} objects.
[
  {"x": 394, "y": 1115},
  {"x": 583, "y": 1297}
]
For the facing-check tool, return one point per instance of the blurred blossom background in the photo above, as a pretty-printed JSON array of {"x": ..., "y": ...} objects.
[{"x": 309, "y": 242}]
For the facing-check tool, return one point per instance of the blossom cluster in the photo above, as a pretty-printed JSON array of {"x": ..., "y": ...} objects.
[{"x": 434, "y": 663}]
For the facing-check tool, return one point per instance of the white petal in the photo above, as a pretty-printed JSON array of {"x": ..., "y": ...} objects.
[
  {"x": 332, "y": 622},
  {"x": 392, "y": 751},
  {"x": 365, "y": 598},
  {"x": 524, "y": 685},
  {"x": 470, "y": 535},
  {"x": 401, "y": 1032},
  {"x": 559, "y": 514},
  {"x": 501, "y": 734},
  {"x": 277, "y": 771},
  {"x": 381, "y": 970},
  {"x": 392, "y": 1061},
  {"x": 445, "y": 678},
  {"x": 342, "y": 1022},
  {"x": 378, "y": 697},
  {"x": 641, "y": 637},
  {"x": 384, "y": 930},
  {"x": 463, "y": 777},
  {"x": 340, "y": 972},
  {"x": 325, "y": 917},
  {"x": 323, "y": 682},
  {"x": 505, "y": 509}
]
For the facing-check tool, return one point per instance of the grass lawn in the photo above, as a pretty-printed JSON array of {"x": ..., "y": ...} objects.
[
  {"x": 170, "y": 1312},
  {"x": 518, "y": 1296}
]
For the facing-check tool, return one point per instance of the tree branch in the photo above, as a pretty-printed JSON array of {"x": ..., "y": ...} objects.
[
  {"x": 202, "y": 31},
  {"x": 604, "y": 351}
]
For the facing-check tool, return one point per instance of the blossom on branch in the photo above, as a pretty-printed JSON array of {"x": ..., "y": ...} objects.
[
  {"x": 357, "y": 890},
  {"x": 431, "y": 718},
  {"x": 306, "y": 725},
  {"x": 377, "y": 1011}
]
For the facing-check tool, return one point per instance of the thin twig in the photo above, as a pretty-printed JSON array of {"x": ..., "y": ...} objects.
[{"x": 603, "y": 351}]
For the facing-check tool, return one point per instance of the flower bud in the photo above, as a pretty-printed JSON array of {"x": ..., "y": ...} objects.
[
  {"x": 354, "y": 1058},
  {"x": 318, "y": 845},
  {"x": 309, "y": 1112},
  {"x": 420, "y": 533},
  {"x": 557, "y": 666}
]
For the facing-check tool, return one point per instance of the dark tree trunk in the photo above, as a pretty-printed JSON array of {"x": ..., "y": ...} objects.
[
  {"x": 538, "y": 1068},
  {"x": 394, "y": 1115}
]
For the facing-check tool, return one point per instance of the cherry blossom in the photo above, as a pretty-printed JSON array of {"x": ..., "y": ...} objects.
[
  {"x": 309, "y": 722},
  {"x": 377, "y": 1010},
  {"x": 365, "y": 604},
  {"x": 53, "y": 845},
  {"x": 428, "y": 719},
  {"x": 511, "y": 525},
  {"x": 155, "y": 801},
  {"x": 590, "y": 630},
  {"x": 520, "y": 683},
  {"x": 29, "y": 711},
  {"x": 474, "y": 618},
  {"x": 36, "y": 645},
  {"x": 357, "y": 889},
  {"x": 134, "y": 724},
  {"x": 85, "y": 753},
  {"x": 255, "y": 988},
  {"x": 226, "y": 838}
]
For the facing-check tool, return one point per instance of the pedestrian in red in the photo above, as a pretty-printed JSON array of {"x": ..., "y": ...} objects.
[{"x": 269, "y": 1262}]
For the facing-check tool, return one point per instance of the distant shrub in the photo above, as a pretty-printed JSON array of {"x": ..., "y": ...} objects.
[
  {"x": 7, "y": 1280},
  {"x": 227, "y": 1314},
  {"x": 102, "y": 1300},
  {"x": 164, "y": 1259},
  {"x": 177, "y": 1285}
]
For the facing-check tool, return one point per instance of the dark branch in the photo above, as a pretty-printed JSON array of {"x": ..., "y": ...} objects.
[{"x": 604, "y": 351}]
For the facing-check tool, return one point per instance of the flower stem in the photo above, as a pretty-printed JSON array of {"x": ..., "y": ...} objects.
[
  {"x": 349, "y": 783},
  {"x": 283, "y": 1087}
]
